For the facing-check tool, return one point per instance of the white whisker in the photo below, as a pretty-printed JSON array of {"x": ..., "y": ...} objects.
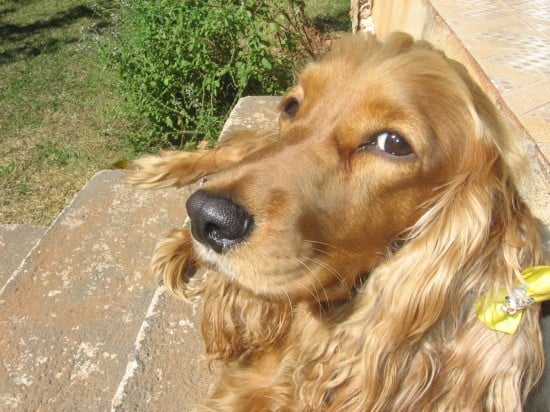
[{"x": 322, "y": 287}]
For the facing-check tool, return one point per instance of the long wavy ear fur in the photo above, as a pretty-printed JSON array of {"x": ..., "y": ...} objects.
[
  {"x": 175, "y": 168},
  {"x": 174, "y": 263},
  {"x": 236, "y": 323},
  {"x": 417, "y": 341}
]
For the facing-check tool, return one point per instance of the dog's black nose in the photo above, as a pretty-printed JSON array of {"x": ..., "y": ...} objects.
[{"x": 217, "y": 221}]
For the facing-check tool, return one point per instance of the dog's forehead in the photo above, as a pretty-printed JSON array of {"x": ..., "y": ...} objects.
[
  {"x": 329, "y": 77},
  {"x": 356, "y": 94},
  {"x": 421, "y": 81},
  {"x": 339, "y": 74}
]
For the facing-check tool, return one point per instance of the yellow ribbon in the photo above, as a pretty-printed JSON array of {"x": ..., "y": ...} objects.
[{"x": 504, "y": 313}]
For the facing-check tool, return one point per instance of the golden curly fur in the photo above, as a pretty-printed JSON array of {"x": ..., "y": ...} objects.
[{"x": 383, "y": 209}]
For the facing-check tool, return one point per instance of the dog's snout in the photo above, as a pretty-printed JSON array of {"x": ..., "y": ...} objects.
[{"x": 217, "y": 221}]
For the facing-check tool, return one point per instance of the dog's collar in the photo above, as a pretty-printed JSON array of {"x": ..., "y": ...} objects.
[{"x": 503, "y": 311}]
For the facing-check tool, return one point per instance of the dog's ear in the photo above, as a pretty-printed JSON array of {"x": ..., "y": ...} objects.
[
  {"x": 237, "y": 323},
  {"x": 481, "y": 242},
  {"x": 169, "y": 168},
  {"x": 174, "y": 263},
  {"x": 174, "y": 168},
  {"x": 415, "y": 332},
  {"x": 475, "y": 239}
]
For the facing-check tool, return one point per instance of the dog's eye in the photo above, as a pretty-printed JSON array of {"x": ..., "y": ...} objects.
[
  {"x": 390, "y": 143},
  {"x": 290, "y": 107}
]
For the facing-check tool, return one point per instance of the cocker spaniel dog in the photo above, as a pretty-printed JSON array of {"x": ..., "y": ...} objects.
[{"x": 349, "y": 255}]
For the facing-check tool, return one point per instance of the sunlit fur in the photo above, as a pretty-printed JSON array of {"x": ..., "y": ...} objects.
[{"x": 355, "y": 288}]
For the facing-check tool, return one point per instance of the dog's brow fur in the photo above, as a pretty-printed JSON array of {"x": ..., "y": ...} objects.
[{"x": 354, "y": 289}]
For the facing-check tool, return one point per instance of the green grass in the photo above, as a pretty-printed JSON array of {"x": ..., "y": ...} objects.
[
  {"x": 329, "y": 15},
  {"x": 61, "y": 118}
]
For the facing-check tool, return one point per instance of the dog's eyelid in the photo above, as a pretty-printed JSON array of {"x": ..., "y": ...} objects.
[{"x": 388, "y": 142}]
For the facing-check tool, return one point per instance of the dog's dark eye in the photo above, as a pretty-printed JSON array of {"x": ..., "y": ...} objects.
[
  {"x": 390, "y": 143},
  {"x": 290, "y": 107}
]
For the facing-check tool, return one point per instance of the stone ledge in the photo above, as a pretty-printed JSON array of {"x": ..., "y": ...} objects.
[{"x": 258, "y": 114}]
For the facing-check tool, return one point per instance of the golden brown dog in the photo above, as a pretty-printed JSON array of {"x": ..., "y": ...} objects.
[{"x": 345, "y": 255}]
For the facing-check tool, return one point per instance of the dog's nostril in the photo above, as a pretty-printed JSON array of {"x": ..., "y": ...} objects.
[{"x": 216, "y": 221}]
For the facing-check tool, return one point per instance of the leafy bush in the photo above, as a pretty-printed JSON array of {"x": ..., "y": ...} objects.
[{"x": 185, "y": 63}]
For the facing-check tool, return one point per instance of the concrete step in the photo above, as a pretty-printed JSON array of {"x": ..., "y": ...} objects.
[
  {"x": 82, "y": 320},
  {"x": 16, "y": 241}
]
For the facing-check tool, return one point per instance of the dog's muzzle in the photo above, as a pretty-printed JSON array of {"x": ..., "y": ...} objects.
[{"x": 216, "y": 221}]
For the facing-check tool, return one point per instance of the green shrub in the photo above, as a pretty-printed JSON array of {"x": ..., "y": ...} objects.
[{"x": 185, "y": 63}]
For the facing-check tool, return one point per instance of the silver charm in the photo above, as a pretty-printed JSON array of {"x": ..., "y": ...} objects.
[{"x": 517, "y": 300}]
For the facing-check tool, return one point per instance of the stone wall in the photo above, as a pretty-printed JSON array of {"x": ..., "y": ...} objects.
[{"x": 361, "y": 16}]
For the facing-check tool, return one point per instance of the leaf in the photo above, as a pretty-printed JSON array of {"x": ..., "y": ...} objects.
[
  {"x": 266, "y": 63},
  {"x": 274, "y": 27},
  {"x": 121, "y": 164}
]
